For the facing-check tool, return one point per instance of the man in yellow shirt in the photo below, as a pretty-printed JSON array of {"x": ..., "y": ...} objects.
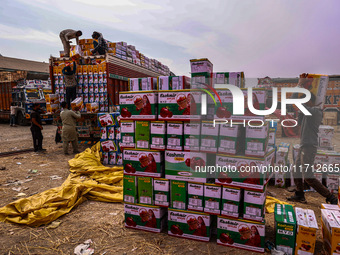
[{"x": 69, "y": 131}]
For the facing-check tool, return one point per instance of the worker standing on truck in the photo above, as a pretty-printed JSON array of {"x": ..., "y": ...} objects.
[
  {"x": 12, "y": 117},
  {"x": 65, "y": 37},
  {"x": 69, "y": 131},
  {"x": 100, "y": 47},
  {"x": 36, "y": 127},
  {"x": 70, "y": 82},
  {"x": 305, "y": 159}
]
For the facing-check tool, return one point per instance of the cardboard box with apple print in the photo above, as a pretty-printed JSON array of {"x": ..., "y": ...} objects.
[
  {"x": 145, "y": 217},
  {"x": 179, "y": 105},
  {"x": 138, "y": 105},
  {"x": 190, "y": 225},
  {"x": 143, "y": 162},
  {"x": 244, "y": 172},
  {"x": 242, "y": 234}
]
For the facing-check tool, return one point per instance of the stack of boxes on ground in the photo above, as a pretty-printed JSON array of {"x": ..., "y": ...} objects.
[
  {"x": 326, "y": 164},
  {"x": 296, "y": 230},
  {"x": 110, "y": 138},
  {"x": 167, "y": 155}
]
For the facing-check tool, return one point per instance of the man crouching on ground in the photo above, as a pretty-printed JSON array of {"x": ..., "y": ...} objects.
[
  {"x": 306, "y": 155},
  {"x": 69, "y": 131}
]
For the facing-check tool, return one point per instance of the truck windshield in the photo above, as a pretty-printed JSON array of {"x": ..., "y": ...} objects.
[{"x": 33, "y": 95}]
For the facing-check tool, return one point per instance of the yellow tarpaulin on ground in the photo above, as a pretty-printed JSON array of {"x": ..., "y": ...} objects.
[
  {"x": 89, "y": 179},
  {"x": 270, "y": 204}
]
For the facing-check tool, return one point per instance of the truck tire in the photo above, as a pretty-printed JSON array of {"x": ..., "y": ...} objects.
[{"x": 21, "y": 119}]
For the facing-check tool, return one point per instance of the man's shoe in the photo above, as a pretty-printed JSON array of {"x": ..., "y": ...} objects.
[
  {"x": 66, "y": 153},
  {"x": 297, "y": 198},
  {"x": 332, "y": 200},
  {"x": 76, "y": 152}
]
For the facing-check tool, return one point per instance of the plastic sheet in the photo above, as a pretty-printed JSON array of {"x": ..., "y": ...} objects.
[{"x": 88, "y": 179}]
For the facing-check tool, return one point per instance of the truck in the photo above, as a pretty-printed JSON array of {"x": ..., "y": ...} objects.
[
  {"x": 24, "y": 96},
  {"x": 117, "y": 72}
]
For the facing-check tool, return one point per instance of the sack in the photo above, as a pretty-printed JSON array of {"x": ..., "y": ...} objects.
[{"x": 57, "y": 137}]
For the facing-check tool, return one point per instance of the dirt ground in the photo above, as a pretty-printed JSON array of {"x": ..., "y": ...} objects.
[{"x": 100, "y": 222}]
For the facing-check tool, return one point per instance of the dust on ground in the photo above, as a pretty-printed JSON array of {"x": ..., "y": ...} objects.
[{"x": 101, "y": 222}]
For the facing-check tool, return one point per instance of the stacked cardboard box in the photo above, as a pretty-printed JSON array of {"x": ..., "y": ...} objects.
[
  {"x": 166, "y": 151},
  {"x": 126, "y": 52},
  {"x": 110, "y": 138},
  {"x": 92, "y": 85}
]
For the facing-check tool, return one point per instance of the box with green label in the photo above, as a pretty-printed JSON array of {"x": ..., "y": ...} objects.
[
  {"x": 145, "y": 217},
  {"x": 195, "y": 196},
  {"x": 174, "y": 136},
  {"x": 127, "y": 129},
  {"x": 231, "y": 139},
  {"x": 186, "y": 166},
  {"x": 254, "y": 205},
  {"x": 192, "y": 134},
  {"x": 190, "y": 225},
  {"x": 256, "y": 140},
  {"x": 179, "y": 105},
  {"x": 130, "y": 188},
  {"x": 142, "y": 134},
  {"x": 209, "y": 137},
  {"x": 143, "y": 162},
  {"x": 241, "y": 234},
  {"x": 158, "y": 135},
  {"x": 178, "y": 194},
  {"x": 231, "y": 202},
  {"x": 173, "y": 82},
  {"x": 212, "y": 198},
  {"x": 139, "y": 105},
  {"x": 225, "y": 111},
  {"x": 285, "y": 228},
  {"x": 145, "y": 190},
  {"x": 161, "y": 192},
  {"x": 236, "y": 171}
]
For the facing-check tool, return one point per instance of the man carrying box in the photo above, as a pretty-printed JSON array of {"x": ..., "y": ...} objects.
[
  {"x": 305, "y": 159},
  {"x": 69, "y": 131},
  {"x": 70, "y": 83},
  {"x": 65, "y": 37}
]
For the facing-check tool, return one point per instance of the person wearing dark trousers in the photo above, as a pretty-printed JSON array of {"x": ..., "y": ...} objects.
[
  {"x": 36, "y": 127},
  {"x": 100, "y": 47},
  {"x": 70, "y": 83},
  {"x": 305, "y": 159},
  {"x": 12, "y": 119}
]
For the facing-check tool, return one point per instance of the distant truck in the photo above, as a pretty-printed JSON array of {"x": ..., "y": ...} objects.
[{"x": 23, "y": 96}]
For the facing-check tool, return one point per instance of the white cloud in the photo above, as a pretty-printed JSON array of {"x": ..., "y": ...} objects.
[
  {"x": 28, "y": 35},
  {"x": 247, "y": 35}
]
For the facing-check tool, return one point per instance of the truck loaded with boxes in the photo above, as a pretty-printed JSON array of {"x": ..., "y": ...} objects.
[{"x": 99, "y": 81}]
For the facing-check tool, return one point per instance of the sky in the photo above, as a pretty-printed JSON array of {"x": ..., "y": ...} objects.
[{"x": 276, "y": 38}]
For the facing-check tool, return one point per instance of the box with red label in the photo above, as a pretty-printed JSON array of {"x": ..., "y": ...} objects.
[
  {"x": 105, "y": 120},
  {"x": 108, "y": 145},
  {"x": 244, "y": 172}
]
